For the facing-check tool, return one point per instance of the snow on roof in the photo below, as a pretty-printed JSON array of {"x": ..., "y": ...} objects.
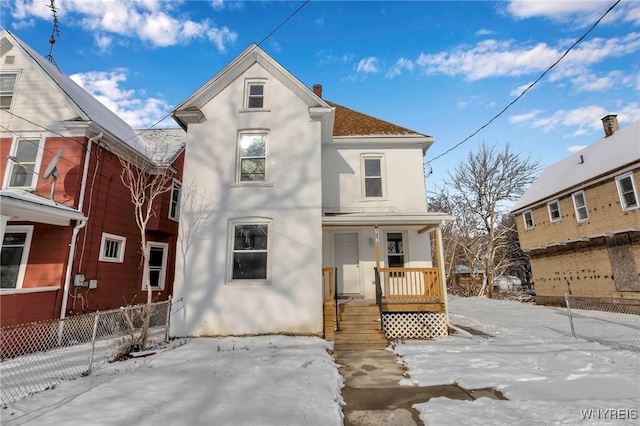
[
  {"x": 89, "y": 105},
  {"x": 602, "y": 157},
  {"x": 163, "y": 145}
]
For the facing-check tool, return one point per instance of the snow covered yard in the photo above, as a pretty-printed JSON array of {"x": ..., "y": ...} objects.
[
  {"x": 548, "y": 377},
  {"x": 265, "y": 380}
]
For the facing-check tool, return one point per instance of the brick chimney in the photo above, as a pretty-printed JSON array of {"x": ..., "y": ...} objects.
[
  {"x": 317, "y": 89},
  {"x": 610, "y": 124}
]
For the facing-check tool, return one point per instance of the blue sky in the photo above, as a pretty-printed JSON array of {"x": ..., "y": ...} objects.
[{"x": 442, "y": 68}]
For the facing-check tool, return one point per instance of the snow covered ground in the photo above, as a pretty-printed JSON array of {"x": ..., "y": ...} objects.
[{"x": 548, "y": 377}]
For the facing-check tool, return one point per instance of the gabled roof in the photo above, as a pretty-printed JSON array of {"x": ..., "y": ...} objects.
[
  {"x": 164, "y": 145},
  {"x": 600, "y": 159},
  {"x": 87, "y": 107},
  {"x": 253, "y": 54},
  {"x": 353, "y": 123}
]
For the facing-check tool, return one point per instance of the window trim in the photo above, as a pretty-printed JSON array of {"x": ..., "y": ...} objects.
[
  {"x": 247, "y": 87},
  {"x": 383, "y": 183},
  {"x": 15, "y": 87},
  {"x": 557, "y": 203},
  {"x": 526, "y": 222},
  {"x": 24, "y": 260},
  {"x": 621, "y": 195},
  {"x": 266, "y": 181},
  {"x": 404, "y": 248},
  {"x": 176, "y": 185},
  {"x": 231, "y": 237},
  {"x": 112, "y": 237},
  {"x": 576, "y": 207},
  {"x": 163, "y": 270},
  {"x": 36, "y": 167}
]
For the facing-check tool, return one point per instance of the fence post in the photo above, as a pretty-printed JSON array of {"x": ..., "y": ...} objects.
[
  {"x": 93, "y": 340},
  {"x": 167, "y": 321},
  {"x": 566, "y": 298}
]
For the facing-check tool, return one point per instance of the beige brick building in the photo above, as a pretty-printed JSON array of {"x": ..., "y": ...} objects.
[{"x": 580, "y": 220}]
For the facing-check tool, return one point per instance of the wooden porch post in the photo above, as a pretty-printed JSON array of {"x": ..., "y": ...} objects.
[
  {"x": 377, "y": 238},
  {"x": 443, "y": 278}
]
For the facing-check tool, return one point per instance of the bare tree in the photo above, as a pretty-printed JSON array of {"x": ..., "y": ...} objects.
[
  {"x": 486, "y": 183},
  {"x": 146, "y": 180}
]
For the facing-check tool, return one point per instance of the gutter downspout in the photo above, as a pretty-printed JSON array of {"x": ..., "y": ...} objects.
[
  {"x": 79, "y": 225},
  {"x": 440, "y": 249}
]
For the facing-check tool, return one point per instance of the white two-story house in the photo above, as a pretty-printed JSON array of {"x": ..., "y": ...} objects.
[{"x": 301, "y": 203}]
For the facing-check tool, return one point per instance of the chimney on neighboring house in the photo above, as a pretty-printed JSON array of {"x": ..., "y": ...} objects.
[
  {"x": 610, "y": 124},
  {"x": 317, "y": 89}
]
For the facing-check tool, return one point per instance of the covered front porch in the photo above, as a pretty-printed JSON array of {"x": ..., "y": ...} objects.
[{"x": 383, "y": 278}]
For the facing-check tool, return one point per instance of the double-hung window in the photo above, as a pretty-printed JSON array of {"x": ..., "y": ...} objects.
[
  {"x": 7, "y": 89},
  {"x": 250, "y": 250},
  {"x": 255, "y": 92},
  {"x": 627, "y": 191},
  {"x": 554, "y": 210},
  {"x": 372, "y": 176},
  {"x": 395, "y": 250},
  {"x": 252, "y": 156},
  {"x": 156, "y": 270},
  {"x": 174, "y": 201},
  {"x": 580, "y": 205},
  {"x": 528, "y": 219},
  {"x": 14, "y": 255},
  {"x": 112, "y": 248},
  {"x": 23, "y": 163}
]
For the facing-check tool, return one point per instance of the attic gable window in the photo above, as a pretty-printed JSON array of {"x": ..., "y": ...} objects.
[
  {"x": 7, "y": 89},
  {"x": 580, "y": 205},
  {"x": 528, "y": 219},
  {"x": 627, "y": 191},
  {"x": 554, "y": 211},
  {"x": 255, "y": 94}
]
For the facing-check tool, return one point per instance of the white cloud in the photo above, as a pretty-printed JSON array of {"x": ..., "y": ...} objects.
[
  {"x": 368, "y": 65},
  {"x": 401, "y": 65},
  {"x": 576, "y": 13},
  {"x": 526, "y": 117},
  {"x": 484, "y": 31},
  {"x": 151, "y": 21},
  {"x": 138, "y": 111},
  {"x": 518, "y": 90},
  {"x": 576, "y": 148}
]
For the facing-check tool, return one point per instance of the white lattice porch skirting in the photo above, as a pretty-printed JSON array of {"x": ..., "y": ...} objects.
[{"x": 414, "y": 325}]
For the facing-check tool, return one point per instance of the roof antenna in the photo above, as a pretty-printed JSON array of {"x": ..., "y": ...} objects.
[{"x": 54, "y": 32}]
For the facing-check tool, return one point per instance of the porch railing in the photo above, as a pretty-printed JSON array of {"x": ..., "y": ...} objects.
[
  {"x": 411, "y": 285},
  {"x": 329, "y": 285}
]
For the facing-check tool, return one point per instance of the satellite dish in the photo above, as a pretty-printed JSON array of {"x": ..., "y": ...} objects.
[{"x": 51, "y": 168}]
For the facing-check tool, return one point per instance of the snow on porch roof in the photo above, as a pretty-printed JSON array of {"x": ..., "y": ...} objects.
[
  {"x": 390, "y": 218},
  {"x": 23, "y": 205}
]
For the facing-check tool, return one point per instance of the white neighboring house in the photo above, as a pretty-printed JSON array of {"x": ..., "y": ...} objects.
[{"x": 295, "y": 184}]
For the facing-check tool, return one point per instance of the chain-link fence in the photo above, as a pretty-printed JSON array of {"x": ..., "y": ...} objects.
[
  {"x": 36, "y": 356},
  {"x": 612, "y": 322}
]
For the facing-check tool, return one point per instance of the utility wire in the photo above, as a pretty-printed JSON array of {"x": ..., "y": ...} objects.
[
  {"x": 529, "y": 87},
  {"x": 258, "y": 44}
]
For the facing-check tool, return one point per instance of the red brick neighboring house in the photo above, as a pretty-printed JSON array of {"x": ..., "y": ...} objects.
[{"x": 71, "y": 244}]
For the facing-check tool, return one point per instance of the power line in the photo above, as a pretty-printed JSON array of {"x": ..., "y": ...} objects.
[
  {"x": 258, "y": 44},
  {"x": 529, "y": 87}
]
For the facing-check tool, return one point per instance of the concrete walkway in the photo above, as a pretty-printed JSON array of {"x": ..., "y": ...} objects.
[{"x": 373, "y": 395}]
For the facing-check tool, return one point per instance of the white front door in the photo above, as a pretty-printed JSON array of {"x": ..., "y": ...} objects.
[{"x": 347, "y": 260}]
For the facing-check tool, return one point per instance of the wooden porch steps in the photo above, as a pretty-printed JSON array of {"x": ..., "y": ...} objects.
[{"x": 359, "y": 323}]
